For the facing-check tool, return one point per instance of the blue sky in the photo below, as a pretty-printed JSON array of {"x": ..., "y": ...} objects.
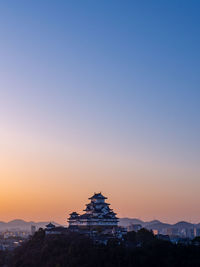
[{"x": 115, "y": 77}]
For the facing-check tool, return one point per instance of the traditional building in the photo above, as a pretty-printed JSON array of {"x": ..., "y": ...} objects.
[
  {"x": 51, "y": 229},
  {"x": 97, "y": 214}
]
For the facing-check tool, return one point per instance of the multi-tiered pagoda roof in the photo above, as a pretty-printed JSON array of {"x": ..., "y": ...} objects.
[
  {"x": 97, "y": 196},
  {"x": 97, "y": 213}
]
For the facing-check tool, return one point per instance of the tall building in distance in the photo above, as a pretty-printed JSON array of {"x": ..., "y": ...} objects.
[
  {"x": 33, "y": 229},
  {"x": 97, "y": 214}
]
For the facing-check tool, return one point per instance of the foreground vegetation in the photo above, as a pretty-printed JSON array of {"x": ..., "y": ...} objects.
[{"x": 139, "y": 249}]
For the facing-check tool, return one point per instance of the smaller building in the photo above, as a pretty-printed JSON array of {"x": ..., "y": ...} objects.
[{"x": 51, "y": 229}]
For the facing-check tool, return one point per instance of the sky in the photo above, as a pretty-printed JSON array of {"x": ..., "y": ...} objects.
[{"x": 100, "y": 96}]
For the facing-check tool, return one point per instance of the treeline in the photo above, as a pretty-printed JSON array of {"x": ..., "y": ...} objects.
[{"x": 73, "y": 250}]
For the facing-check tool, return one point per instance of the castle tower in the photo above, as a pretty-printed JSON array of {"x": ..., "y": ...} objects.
[{"x": 97, "y": 214}]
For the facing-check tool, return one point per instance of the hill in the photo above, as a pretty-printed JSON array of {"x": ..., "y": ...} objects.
[
  {"x": 156, "y": 224},
  {"x": 22, "y": 225},
  {"x": 74, "y": 250}
]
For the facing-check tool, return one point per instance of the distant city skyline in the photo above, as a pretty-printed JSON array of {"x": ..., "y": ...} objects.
[{"x": 100, "y": 96}]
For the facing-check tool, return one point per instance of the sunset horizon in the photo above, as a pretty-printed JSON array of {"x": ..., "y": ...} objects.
[{"x": 100, "y": 97}]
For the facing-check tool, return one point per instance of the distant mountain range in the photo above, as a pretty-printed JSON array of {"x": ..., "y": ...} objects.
[
  {"x": 155, "y": 224},
  {"x": 22, "y": 225}
]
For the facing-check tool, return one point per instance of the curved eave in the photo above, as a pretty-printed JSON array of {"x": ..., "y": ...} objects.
[
  {"x": 74, "y": 213},
  {"x": 97, "y": 197}
]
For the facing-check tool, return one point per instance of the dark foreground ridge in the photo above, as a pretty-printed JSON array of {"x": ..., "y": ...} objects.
[{"x": 75, "y": 250}]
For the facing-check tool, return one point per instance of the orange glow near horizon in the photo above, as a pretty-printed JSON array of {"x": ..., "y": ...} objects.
[{"x": 42, "y": 185}]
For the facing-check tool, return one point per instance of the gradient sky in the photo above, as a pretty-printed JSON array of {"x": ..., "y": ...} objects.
[{"x": 100, "y": 96}]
